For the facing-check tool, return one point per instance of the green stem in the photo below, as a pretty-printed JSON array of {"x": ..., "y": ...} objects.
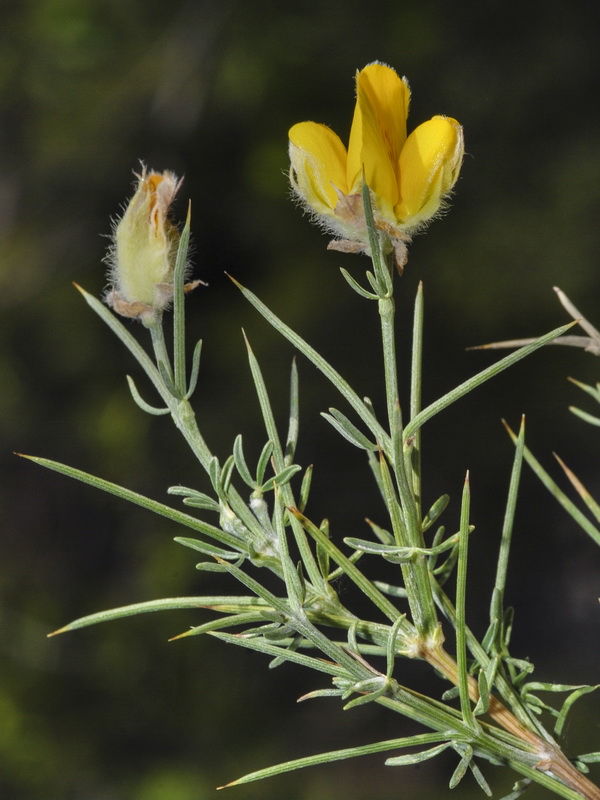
[
  {"x": 415, "y": 572},
  {"x": 161, "y": 353},
  {"x": 388, "y": 333}
]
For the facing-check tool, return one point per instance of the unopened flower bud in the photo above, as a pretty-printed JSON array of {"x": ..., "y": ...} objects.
[{"x": 142, "y": 258}]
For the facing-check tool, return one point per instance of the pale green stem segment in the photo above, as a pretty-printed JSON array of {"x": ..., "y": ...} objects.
[{"x": 406, "y": 519}]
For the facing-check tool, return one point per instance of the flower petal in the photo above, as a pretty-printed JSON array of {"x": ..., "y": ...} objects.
[
  {"x": 429, "y": 165},
  {"x": 318, "y": 165},
  {"x": 378, "y": 130}
]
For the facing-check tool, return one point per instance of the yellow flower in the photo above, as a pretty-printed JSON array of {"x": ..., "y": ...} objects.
[
  {"x": 143, "y": 254},
  {"x": 409, "y": 178}
]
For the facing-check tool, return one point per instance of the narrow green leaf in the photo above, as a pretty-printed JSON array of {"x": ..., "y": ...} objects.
[
  {"x": 357, "y": 287},
  {"x": 557, "y": 493},
  {"x": 478, "y": 775},
  {"x": 293, "y": 646},
  {"x": 370, "y": 690},
  {"x": 542, "y": 686},
  {"x": 349, "y": 431},
  {"x": 496, "y": 606},
  {"x": 330, "y": 373},
  {"x": 194, "y": 498},
  {"x": 392, "y": 591},
  {"x": 245, "y": 618},
  {"x": 391, "y": 646},
  {"x": 338, "y": 755},
  {"x": 305, "y": 487},
  {"x": 280, "y": 604},
  {"x": 463, "y": 766},
  {"x": 261, "y": 646},
  {"x": 226, "y": 474},
  {"x": 379, "y": 549},
  {"x": 338, "y": 572},
  {"x": 416, "y": 758},
  {"x": 207, "y": 549},
  {"x": 584, "y": 416},
  {"x": 477, "y": 380},
  {"x": 283, "y": 477},
  {"x": 294, "y": 417},
  {"x": 401, "y": 554},
  {"x": 145, "y": 502},
  {"x": 484, "y": 694},
  {"x": 562, "y": 717},
  {"x": 461, "y": 625},
  {"x": 416, "y": 387},
  {"x": 195, "y": 369},
  {"x": 373, "y": 283},
  {"x": 211, "y": 566},
  {"x": 590, "y": 758},
  {"x": 518, "y": 789},
  {"x": 435, "y": 512},
  {"x": 318, "y": 693},
  {"x": 385, "y": 537},
  {"x": 265, "y": 406},
  {"x": 279, "y": 464},
  {"x": 178, "y": 307},
  {"x": 240, "y": 462},
  {"x": 128, "y": 340},
  {"x": 580, "y": 489},
  {"x": 201, "y": 500},
  {"x": 263, "y": 462},
  {"x": 322, "y": 554},
  {"x": 383, "y": 286},
  {"x": 591, "y": 390},
  {"x": 451, "y": 694},
  {"x": 164, "y": 604},
  {"x": 214, "y": 473},
  {"x": 139, "y": 400}
]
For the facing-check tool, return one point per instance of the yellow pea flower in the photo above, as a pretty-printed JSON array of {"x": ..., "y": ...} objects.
[
  {"x": 142, "y": 257},
  {"x": 409, "y": 178}
]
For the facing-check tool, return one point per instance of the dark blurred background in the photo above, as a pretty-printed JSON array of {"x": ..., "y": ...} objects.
[{"x": 209, "y": 89}]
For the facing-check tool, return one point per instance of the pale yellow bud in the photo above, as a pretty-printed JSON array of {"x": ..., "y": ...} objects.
[{"x": 145, "y": 245}]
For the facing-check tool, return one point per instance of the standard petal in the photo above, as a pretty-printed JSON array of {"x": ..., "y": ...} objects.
[
  {"x": 318, "y": 165},
  {"x": 429, "y": 165},
  {"x": 378, "y": 130}
]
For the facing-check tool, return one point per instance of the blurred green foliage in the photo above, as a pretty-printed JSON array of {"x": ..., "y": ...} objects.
[{"x": 209, "y": 89}]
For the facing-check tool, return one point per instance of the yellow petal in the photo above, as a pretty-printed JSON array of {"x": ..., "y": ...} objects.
[
  {"x": 429, "y": 165},
  {"x": 378, "y": 130},
  {"x": 318, "y": 160}
]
